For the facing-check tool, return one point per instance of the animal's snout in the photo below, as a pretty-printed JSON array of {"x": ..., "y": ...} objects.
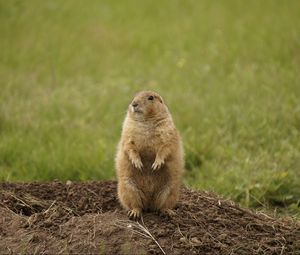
[{"x": 134, "y": 104}]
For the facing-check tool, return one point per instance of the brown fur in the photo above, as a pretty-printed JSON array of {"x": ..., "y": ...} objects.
[{"x": 149, "y": 159}]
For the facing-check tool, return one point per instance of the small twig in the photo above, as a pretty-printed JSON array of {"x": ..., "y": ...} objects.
[
  {"x": 148, "y": 232},
  {"x": 6, "y": 207},
  {"x": 131, "y": 226},
  {"x": 20, "y": 200},
  {"x": 93, "y": 192},
  {"x": 135, "y": 226},
  {"x": 50, "y": 206},
  {"x": 282, "y": 249}
]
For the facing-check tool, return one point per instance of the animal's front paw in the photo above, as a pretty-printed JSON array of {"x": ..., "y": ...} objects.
[
  {"x": 137, "y": 164},
  {"x": 157, "y": 164},
  {"x": 134, "y": 214}
]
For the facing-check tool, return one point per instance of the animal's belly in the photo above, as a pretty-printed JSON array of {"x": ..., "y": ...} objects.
[
  {"x": 151, "y": 183},
  {"x": 147, "y": 156},
  {"x": 148, "y": 183}
]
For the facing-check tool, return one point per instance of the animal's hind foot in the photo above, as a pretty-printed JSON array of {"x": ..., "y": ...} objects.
[{"x": 134, "y": 214}]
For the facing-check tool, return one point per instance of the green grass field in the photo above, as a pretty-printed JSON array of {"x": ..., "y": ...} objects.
[{"x": 229, "y": 71}]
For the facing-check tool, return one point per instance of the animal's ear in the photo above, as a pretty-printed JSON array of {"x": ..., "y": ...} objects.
[{"x": 160, "y": 99}]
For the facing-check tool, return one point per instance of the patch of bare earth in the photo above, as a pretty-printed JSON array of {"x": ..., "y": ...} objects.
[{"x": 86, "y": 218}]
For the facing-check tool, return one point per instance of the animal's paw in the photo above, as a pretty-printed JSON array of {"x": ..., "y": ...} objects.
[
  {"x": 157, "y": 164},
  {"x": 134, "y": 214},
  {"x": 137, "y": 164}
]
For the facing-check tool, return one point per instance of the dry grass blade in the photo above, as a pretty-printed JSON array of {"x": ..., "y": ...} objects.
[
  {"x": 22, "y": 202},
  {"x": 46, "y": 211},
  {"x": 126, "y": 224},
  {"x": 145, "y": 229},
  {"x": 27, "y": 200},
  {"x": 139, "y": 229}
]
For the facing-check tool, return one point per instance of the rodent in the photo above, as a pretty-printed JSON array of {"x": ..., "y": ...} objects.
[{"x": 150, "y": 157}]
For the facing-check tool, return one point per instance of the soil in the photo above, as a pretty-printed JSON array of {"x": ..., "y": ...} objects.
[{"x": 86, "y": 218}]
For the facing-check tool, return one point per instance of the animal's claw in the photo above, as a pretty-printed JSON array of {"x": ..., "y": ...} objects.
[
  {"x": 134, "y": 214},
  {"x": 138, "y": 164},
  {"x": 157, "y": 164}
]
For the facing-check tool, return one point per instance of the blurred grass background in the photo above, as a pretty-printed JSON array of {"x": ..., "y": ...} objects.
[{"x": 229, "y": 71}]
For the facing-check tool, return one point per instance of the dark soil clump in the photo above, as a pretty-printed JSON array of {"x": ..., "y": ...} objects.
[{"x": 86, "y": 218}]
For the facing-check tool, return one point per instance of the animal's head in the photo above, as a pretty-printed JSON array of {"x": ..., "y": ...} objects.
[{"x": 147, "y": 105}]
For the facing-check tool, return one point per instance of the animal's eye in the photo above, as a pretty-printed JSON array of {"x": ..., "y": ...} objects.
[{"x": 150, "y": 98}]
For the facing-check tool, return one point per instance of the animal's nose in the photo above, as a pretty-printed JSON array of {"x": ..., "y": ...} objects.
[{"x": 134, "y": 104}]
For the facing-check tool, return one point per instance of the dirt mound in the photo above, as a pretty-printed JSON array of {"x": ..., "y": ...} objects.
[{"x": 86, "y": 218}]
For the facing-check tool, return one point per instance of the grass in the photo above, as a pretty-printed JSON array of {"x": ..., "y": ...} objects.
[{"x": 229, "y": 71}]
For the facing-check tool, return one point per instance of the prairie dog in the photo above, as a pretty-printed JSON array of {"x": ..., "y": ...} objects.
[{"x": 149, "y": 160}]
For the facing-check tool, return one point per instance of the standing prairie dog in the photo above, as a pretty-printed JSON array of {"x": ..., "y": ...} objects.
[{"x": 149, "y": 159}]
